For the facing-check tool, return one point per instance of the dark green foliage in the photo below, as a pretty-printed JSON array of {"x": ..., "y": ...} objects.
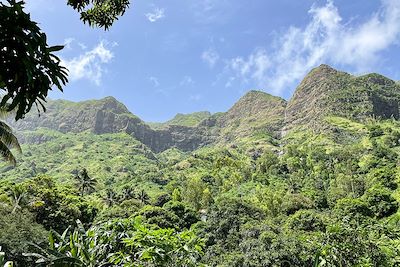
[
  {"x": 85, "y": 183},
  {"x": 29, "y": 67},
  {"x": 160, "y": 217},
  {"x": 380, "y": 202},
  {"x": 226, "y": 220},
  {"x": 352, "y": 208},
  {"x": 7, "y": 141},
  {"x": 100, "y": 13},
  {"x": 16, "y": 230},
  {"x": 306, "y": 220},
  {"x": 351, "y": 246},
  {"x": 186, "y": 216},
  {"x": 162, "y": 199},
  {"x": 308, "y": 199}
]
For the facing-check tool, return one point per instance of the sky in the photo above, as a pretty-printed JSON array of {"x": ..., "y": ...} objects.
[{"x": 179, "y": 56}]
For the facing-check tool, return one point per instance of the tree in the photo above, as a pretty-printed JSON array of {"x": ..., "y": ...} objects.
[
  {"x": 85, "y": 183},
  {"x": 7, "y": 138},
  {"x": 143, "y": 197},
  {"x": 110, "y": 197},
  {"x": 29, "y": 67},
  {"x": 100, "y": 13},
  {"x": 128, "y": 193},
  {"x": 18, "y": 193},
  {"x": 17, "y": 230}
]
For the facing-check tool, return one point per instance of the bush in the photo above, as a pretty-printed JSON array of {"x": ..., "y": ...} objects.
[
  {"x": 380, "y": 202},
  {"x": 306, "y": 220}
]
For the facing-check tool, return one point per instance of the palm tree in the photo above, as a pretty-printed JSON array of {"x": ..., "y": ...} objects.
[
  {"x": 7, "y": 140},
  {"x": 128, "y": 193},
  {"x": 143, "y": 197},
  {"x": 85, "y": 183},
  {"x": 110, "y": 197}
]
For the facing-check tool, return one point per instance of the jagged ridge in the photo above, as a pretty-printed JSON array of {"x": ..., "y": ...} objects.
[{"x": 323, "y": 92}]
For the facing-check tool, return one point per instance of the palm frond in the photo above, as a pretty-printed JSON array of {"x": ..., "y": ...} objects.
[
  {"x": 7, "y": 141},
  {"x": 7, "y": 136},
  {"x": 6, "y": 153}
]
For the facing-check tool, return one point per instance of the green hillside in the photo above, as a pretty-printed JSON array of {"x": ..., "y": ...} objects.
[
  {"x": 189, "y": 120},
  {"x": 312, "y": 181}
]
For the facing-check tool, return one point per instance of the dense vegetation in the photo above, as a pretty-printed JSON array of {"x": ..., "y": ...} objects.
[
  {"x": 311, "y": 198},
  {"x": 267, "y": 183}
]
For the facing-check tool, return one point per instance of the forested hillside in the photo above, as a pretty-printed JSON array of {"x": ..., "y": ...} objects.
[{"x": 312, "y": 181}]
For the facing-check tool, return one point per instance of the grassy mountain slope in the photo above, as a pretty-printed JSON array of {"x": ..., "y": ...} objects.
[{"x": 189, "y": 120}]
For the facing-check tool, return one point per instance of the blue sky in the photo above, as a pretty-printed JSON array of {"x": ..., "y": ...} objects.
[{"x": 170, "y": 56}]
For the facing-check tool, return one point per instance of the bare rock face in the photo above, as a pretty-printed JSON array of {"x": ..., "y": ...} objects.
[
  {"x": 310, "y": 96},
  {"x": 108, "y": 116},
  {"x": 323, "y": 92},
  {"x": 326, "y": 91}
]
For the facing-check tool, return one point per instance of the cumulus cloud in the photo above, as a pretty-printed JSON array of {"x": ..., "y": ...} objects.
[
  {"x": 327, "y": 38},
  {"x": 210, "y": 57},
  {"x": 156, "y": 14},
  {"x": 89, "y": 65}
]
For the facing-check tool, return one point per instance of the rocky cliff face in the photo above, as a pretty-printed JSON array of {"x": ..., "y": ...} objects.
[
  {"x": 326, "y": 91},
  {"x": 109, "y": 116},
  {"x": 323, "y": 92}
]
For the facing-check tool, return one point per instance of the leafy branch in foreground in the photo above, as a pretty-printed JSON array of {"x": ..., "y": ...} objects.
[
  {"x": 100, "y": 13},
  {"x": 7, "y": 139},
  {"x": 29, "y": 67}
]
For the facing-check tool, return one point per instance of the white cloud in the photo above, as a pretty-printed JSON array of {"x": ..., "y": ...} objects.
[
  {"x": 325, "y": 39},
  {"x": 156, "y": 14},
  {"x": 89, "y": 65},
  {"x": 210, "y": 57},
  {"x": 254, "y": 67},
  {"x": 187, "y": 81},
  {"x": 230, "y": 81},
  {"x": 154, "y": 81},
  {"x": 68, "y": 42},
  {"x": 82, "y": 46}
]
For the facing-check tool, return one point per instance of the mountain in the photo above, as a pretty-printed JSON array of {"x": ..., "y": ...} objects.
[
  {"x": 257, "y": 115},
  {"x": 257, "y": 121},
  {"x": 256, "y": 112},
  {"x": 269, "y": 182},
  {"x": 109, "y": 116},
  {"x": 189, "y": 120},
  {"x": 326, "y": 91}
]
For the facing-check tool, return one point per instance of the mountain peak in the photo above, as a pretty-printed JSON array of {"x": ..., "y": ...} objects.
[
  {"x": 325, "y": 68},
  {"x": 326, "y": 91},
  {"x": 254, "y": 94},
  {"x": 256, "y": 111}
]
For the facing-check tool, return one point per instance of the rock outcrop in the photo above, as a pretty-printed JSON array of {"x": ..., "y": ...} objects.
[
  {"x": 323, "y": 92},
  {"x": 326, "y": 91},
  {"x": 109, "y": 116}
]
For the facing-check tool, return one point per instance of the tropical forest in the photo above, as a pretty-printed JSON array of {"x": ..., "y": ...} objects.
[{"x": 306, "y": 179}]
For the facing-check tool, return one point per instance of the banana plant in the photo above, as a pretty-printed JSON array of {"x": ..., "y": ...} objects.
[{"x": 78, "y": 248}]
